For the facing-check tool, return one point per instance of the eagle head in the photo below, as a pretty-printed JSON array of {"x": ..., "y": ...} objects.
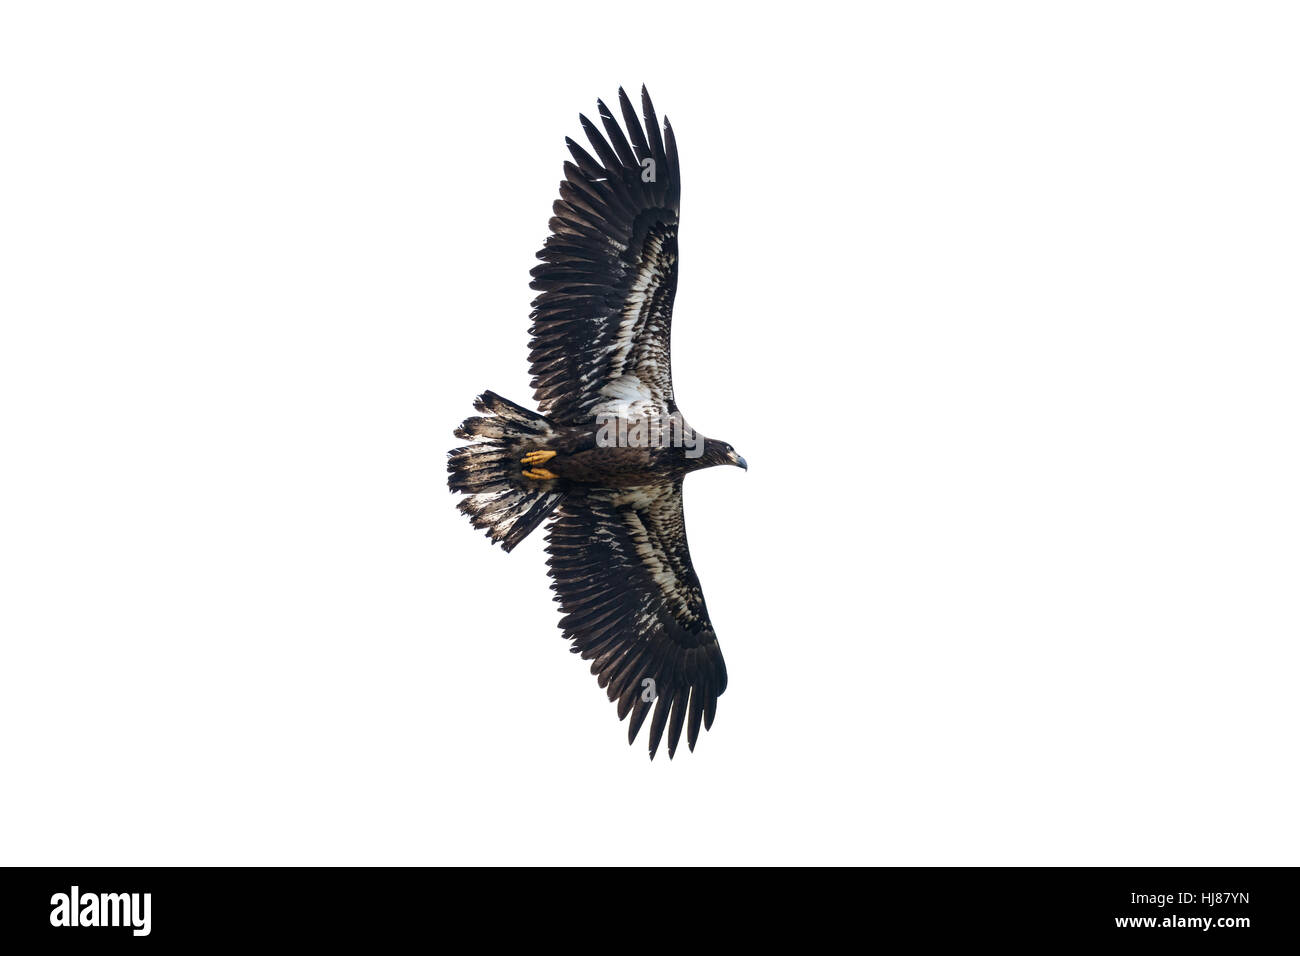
[{"x": 720, "y": 453}]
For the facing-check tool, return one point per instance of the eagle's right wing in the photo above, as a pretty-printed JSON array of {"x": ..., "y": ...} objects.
[
  {"x": 601, "y": 323},
  {"x": 633, "y": 607}
]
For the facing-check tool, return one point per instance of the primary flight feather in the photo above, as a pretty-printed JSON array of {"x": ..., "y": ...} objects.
[{"x": 606, "y": 456}]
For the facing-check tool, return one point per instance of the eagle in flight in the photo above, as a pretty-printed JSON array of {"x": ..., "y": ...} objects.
[{"x": 606, "y": 456}]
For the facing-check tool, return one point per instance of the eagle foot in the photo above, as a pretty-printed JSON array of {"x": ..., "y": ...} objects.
[
  {"x": 540, "y": 474},
  {"x": 537, "y": 457}
]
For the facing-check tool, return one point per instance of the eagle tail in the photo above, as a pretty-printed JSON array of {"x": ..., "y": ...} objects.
[{"x": 499, "y": 499}]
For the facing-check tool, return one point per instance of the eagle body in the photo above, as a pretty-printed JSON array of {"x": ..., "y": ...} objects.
[
  {"x": 581, "y": 459},
  {"x": 605, "y": 457}
]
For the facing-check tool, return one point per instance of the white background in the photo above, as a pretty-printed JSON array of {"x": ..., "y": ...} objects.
[{"x": 1000, "y": 304}]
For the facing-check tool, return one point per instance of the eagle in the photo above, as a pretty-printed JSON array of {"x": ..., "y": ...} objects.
[{"x": 605, "y": 456}]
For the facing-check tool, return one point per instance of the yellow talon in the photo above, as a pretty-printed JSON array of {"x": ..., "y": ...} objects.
[
  {"x": 537, "y": 457},
  {"x": 540, "y": 474}
]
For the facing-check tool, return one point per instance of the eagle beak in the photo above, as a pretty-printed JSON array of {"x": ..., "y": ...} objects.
[{"x": 740, "y": 461}]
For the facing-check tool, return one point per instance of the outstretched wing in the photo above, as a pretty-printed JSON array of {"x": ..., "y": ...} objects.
[
  {"x": 633, "y": 607},
  {"x": 601, "y": 324}
]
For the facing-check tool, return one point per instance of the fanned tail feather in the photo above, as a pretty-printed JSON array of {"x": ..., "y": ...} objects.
[{"x": 498, "y": 498}]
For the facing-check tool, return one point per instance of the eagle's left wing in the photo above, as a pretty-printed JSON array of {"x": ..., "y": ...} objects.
[
  {"x": 633, "y": 607},
  {"x": 609, "y": 273}
]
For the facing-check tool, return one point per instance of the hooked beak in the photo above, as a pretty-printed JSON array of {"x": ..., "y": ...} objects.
[{"x": 739, "y": 461}]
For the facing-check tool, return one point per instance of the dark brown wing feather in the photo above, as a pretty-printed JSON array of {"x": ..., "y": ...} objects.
[
  {"x": 601, "y": 324},
  {"x": 633, "y": 607}
]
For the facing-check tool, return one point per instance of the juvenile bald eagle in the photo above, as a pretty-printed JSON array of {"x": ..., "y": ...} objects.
[{"x": 606, "y": 456}]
